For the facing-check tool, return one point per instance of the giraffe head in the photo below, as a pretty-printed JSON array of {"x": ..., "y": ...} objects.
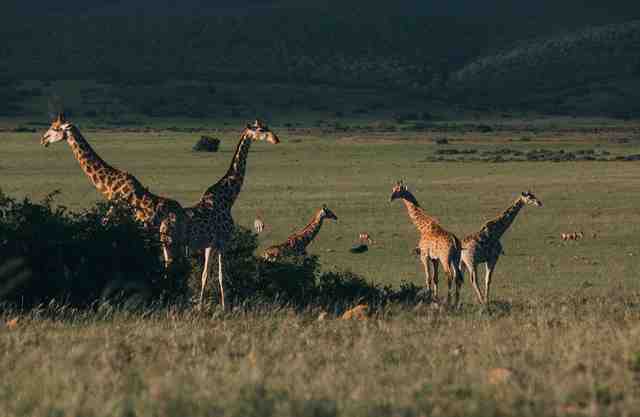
[
  {"x": 528, "y": 198},
  {"x": 326, "y": 213},
  {"x": 59, "y": 130},
  {"x": 258, "y": 130},
  {"x": 401, "y": 191}
]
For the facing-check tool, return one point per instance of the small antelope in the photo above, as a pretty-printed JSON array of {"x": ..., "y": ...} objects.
[
  {"x": 572, "y": 236},
  {"x": 258, "y": 223},
  {"x": 364, "y": 237}
]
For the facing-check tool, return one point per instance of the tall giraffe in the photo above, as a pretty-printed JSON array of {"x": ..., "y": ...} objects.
[
  {"x": 297, "y": 243},
  {"x": 210, "y": 223},
  {"x": 484, "y": 246},
  {"x": 435, "y": 244},
  {"x": 154, "y": 211}
]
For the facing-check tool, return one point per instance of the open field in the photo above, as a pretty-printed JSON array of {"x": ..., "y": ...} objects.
[
  {"x": 565, "y": 320},
  {"x": 353, "y": 173}
]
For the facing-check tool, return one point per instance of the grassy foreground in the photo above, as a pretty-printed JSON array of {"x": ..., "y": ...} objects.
[{"x": 564, "y": 355}]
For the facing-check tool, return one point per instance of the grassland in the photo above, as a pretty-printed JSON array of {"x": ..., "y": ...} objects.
[{"x": 564, "y": 320}]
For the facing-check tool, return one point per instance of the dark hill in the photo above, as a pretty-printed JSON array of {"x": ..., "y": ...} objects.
[{"x": 593, "y": 70}]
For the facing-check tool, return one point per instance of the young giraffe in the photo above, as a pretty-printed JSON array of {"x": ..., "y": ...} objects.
[
  {"x": 297, "y": 243},
  {"x": 484, "y": 246},
  {"x": 154, "y": 211},
  {"x": 435, "y": 244},
  {"x": 210, "y": 223}
]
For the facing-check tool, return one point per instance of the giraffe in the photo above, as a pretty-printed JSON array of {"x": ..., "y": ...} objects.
[
  {"x": 209, "y": 222},
  {"x": 297, "y": 243},
  {"x": 484, "y": 246},
  {"x": 153, "y": 211},
  {"x": 435, "y": 244}
]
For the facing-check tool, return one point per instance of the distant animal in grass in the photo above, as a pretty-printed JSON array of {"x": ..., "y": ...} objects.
[
  {"x": 258, "y": 223},
  {"x": 297, "y": 243},
  {"x": 364, "y": 240},
  {"x": 571, "y": 236}
]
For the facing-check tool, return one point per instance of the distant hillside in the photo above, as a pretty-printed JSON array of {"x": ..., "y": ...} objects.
[
  {"x": 565, "y": 62},
  {"x": 592, "y": 70}
]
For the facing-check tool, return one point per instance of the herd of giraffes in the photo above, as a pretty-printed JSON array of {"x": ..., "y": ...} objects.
[{"x": 208, "y": 225}]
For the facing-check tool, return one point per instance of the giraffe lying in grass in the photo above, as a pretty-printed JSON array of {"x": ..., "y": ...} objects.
[
  {"x": 297, "y": 243},
  {"x": 436, "y": 245},
  {"x": 484, "y": 246}
]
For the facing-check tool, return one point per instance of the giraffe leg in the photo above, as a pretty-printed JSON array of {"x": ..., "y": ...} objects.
[
  {"x": 449, "y": 273},
  {"x": 434, "y": 278},
  {"x": 456, "y": 277},
  {"x": 220, "y": 279},
  {"x": 166, "y": 255},
  {"x": 427, "y": 273},
  {"x": 473, "y": 275},
  {"x": 205, "y": 273},
  {"x": 491, "y": 265}
]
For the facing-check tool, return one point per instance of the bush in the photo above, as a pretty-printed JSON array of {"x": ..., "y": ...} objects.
[
  {"x": 207, "y": 144},
  {"x": 23, "y": 129},
  {"x": 252, "y": 280},
  {"x": 49, "y": 253},
  {"x": 292, "y": 281}
]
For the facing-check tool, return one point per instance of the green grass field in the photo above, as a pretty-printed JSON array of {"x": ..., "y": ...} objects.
[{"x": 565, "y": 319}]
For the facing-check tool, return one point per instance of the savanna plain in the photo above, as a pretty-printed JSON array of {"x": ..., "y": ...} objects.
[{"x": 559, "y": 337}]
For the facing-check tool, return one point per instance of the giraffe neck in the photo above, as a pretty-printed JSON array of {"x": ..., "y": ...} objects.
[
  {"x": 305, "y": 236},
  {"x": 496, "y": 227},
  {"x": 230, "y": 185},
  {"x": 96, "y": 169},
  {"x": 416, "y": 213},
  {"x": 109, "y": 181}
]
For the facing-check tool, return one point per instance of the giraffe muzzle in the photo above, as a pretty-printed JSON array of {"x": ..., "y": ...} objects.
[{"x": 44, "y": 142}]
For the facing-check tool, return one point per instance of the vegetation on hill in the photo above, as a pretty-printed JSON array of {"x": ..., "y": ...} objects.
[
  {"x": 596, "y": 69},
  {"x": 534, "y": 63}
]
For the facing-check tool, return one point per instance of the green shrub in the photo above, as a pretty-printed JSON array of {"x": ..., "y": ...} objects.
[{"x": 50, "y": 253}]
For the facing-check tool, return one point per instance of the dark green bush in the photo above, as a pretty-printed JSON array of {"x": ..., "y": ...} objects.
[
  {"x": 50, "y": 253},
  {"x": 293, "y": 281}
]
